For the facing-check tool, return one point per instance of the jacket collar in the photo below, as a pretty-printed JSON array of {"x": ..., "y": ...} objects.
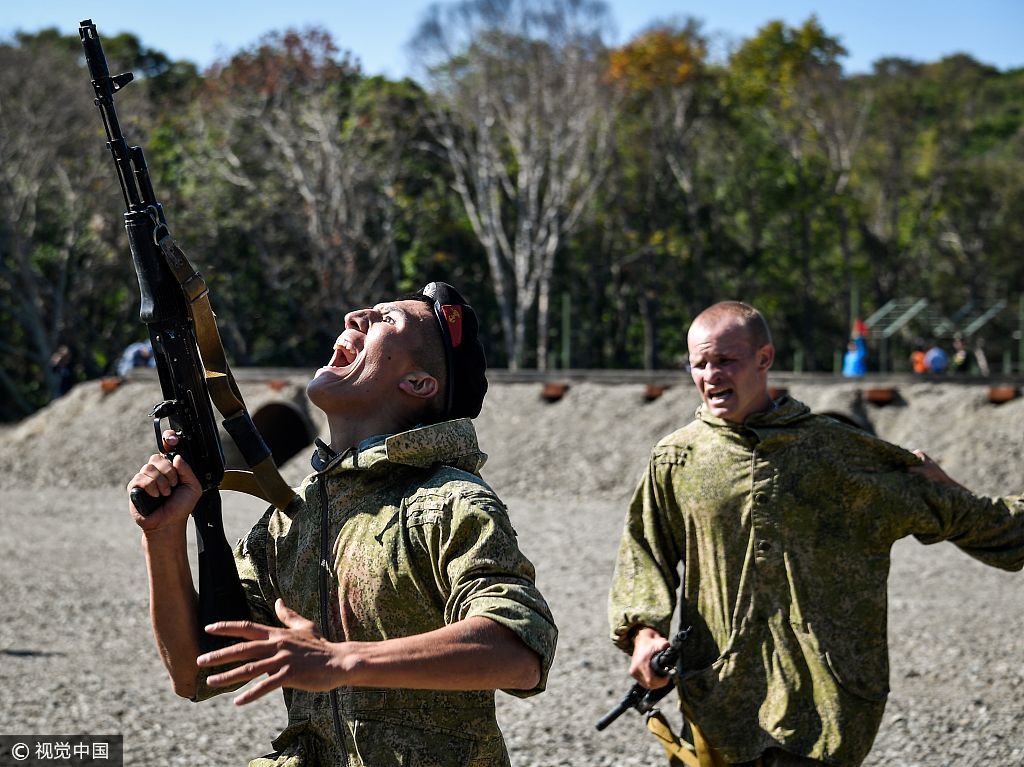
[
  {"x": 453, "y": 443},
  {"x": 784, "y": 411}
]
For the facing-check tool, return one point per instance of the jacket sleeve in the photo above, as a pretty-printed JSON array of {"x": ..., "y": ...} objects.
[
  {"x": 646, "y": 576},
  {"x": 989, "y": 529},
  {"x": 482, "y": 572}
]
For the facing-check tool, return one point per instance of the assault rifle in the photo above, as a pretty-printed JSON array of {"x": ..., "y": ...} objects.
[
  {"x": 639, "y": 697},
  {"x": 190, "y": 364}
]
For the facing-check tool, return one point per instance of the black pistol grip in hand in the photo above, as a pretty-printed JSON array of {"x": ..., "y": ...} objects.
[
  {"x": 144, "y": 503},
  {"x": 662, "y": 663}
]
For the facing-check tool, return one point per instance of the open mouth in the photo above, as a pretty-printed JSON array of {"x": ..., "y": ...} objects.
[
  {"x": 719, "y": 395},
  {"x": 345, "y": 354}
]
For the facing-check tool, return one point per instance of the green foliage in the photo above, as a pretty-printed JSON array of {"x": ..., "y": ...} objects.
[{"x": 301, "y": 187}]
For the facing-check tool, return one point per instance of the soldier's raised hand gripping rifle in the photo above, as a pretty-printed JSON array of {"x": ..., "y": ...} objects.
[{"x": 190, "y": 362}]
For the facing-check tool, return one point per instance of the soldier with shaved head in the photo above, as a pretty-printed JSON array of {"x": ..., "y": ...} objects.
[{"x": 767, "y": 530}]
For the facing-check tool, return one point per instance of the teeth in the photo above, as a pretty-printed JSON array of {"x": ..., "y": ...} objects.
[
  {"x": 344, "y": 343},
  {"x": 348, "y": 352}
]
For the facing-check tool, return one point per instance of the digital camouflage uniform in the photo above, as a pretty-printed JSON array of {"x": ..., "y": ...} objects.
[
  {"x": 415, "y": 540},
  {"x": 784, "y": 526}
]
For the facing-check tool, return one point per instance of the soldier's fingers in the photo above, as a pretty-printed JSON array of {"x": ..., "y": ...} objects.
[
  {"x": 164, "y": 476},
  {"x": 243, "y": 673},
  {"x": 640, "y": 668},
  {"x": 655, "y": 681},
  {"x": 236, "y": 653},
  {"x": 160, "y": 461},
  {"x": 162, "y": 464},
  {"x": 170, "y": 439},
  {"x": 154, "y": 481},
  {"x": 273, "y": 682},
  {"x": 290, "y": 618},
  {"x": 241, "y": 629},
  {"x": 185, "y": 474},
  {"x": 648, "y": 678}
]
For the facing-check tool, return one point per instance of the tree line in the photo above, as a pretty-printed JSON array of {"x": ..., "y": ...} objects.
[{"x": 590, "y": 199}]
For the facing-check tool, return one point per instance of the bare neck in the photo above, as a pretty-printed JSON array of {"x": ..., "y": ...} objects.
[{"x": 349, "y": 429}]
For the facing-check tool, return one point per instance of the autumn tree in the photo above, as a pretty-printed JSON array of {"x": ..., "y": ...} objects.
[{"x": 658, "y": 198}]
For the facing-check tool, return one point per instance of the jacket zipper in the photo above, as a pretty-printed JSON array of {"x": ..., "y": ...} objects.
[{"x": 325, "y": 623}]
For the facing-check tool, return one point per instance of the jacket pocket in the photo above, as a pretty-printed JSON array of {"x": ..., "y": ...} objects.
[
  {"x": 861, "y": 679},
  {"x": 862, "y": 673},
  {"x": 289, "y": 748},
  {"x": 386, "y": 742}
]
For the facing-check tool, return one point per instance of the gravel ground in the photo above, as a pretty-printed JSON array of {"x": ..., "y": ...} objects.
[{"x": 76, "y": 654}]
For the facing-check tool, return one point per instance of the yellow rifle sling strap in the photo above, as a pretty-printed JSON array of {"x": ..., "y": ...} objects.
[
  {"x": 678, "y": 751},
  {"x": 243, "y": 482},
  {"x": 705, "y": 753},
  {"x": 264, "y": 477}
]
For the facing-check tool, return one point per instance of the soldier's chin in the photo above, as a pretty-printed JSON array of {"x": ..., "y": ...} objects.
[{"x": 318, "y": 388}]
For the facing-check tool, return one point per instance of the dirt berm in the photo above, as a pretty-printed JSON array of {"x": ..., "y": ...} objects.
[{"x": 76, "y": 655}]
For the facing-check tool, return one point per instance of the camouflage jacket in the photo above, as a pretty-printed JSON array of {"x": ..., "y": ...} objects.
[
  {"x": 412, "y": 540},
  {"x": 783, "y": 527}
]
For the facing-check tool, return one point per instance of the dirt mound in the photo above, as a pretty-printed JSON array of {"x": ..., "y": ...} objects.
[
  {"x": 594, "y": 439},
  {"x": 95, "y": 436}
]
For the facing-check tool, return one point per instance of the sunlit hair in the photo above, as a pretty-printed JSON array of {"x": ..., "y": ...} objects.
[{"x": 744, "y": 315}]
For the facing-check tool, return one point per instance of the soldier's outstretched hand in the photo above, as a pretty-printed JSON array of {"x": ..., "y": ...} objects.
[{"x": 296, "y": 655}]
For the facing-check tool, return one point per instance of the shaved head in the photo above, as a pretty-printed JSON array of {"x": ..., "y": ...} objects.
[{"x": 739, "y": 314}]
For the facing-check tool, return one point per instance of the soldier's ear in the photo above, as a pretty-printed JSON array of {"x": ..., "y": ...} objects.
[
  {"x": 419, "y": 384},
  {"x": 765, "y": 356}
]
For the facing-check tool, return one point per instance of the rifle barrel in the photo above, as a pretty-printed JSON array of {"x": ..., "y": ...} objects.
[{"x": 104, "y": 86}]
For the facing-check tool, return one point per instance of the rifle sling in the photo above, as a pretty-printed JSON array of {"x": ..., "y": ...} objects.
[
  {"x": 680, "y": 753},
  {"x": 264, "y": 481}
]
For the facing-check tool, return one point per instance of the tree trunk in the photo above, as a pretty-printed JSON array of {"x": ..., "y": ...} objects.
[
  {"x": 543, "y": 318},
  {"x": 649, "y": 314}
]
